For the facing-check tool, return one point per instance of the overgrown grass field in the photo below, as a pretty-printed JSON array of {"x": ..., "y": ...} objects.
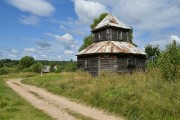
[
  {"x": 12, "y": 107},
  {"x": 137, "y": 96}
]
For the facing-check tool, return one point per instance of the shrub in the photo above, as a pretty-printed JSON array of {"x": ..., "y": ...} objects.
[
  {"x": 67, "y": 67},
  {"x": 37, "y": 67},
  {"x": 71, "y": 67},
  {"x": 27, "y": 70},
  {"x": 169, "y": 62},
  {"x": 1, "y": 65},
  {"x": 3, "y": 71},
  {"x": 20, "y": 67}
]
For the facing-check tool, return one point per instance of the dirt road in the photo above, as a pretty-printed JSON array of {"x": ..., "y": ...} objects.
[{"x": 56, "y": 106}]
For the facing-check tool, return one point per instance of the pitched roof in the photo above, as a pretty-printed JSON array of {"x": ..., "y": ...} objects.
[
  {"x": 111, "y": 47},
  {"x": 111, "y": 20}
]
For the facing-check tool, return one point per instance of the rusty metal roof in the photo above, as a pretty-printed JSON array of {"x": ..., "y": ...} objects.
[
  {"x": 111, "y": 47},
  {"x": 111, "y": 20}
]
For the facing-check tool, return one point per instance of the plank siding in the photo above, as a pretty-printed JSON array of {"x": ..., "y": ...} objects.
[
  {"x": 115, "y": 63},
  {"x": 105, "y": 34},
  {"x": 122, "y": 64},
  {"x": 108, "y": 64},
  {"x": 93, "y": 64}
]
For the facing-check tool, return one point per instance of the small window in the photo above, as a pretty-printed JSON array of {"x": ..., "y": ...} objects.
[
  {"x": 107, "y": 32},
  {"x": 131, "y": 62},
  {"x": 99, "y": 36},
  {"x": 127, "y": 36},
  {"x": 110, "y": 34},
  {"x": 87, "y": 64},
  {"x": 119, "y": 35}
]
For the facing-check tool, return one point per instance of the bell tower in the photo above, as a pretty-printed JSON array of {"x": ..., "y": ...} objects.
[{"x": 111, "y": 29}]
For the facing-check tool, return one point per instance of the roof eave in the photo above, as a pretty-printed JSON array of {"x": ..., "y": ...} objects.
[
  {"x": 110, "y": 53},
  {"x": 129, "y": 28}
]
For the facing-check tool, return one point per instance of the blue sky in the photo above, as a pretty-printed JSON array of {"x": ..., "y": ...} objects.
[{"x": 54, "y": 29}]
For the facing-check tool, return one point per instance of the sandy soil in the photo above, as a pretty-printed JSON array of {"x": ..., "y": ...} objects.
[{"x": 56, "y": 106}]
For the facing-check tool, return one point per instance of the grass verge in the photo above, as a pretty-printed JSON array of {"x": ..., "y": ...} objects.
[
  {"x": 12, "y": 107},
  {"x": 137, "y": 96}
]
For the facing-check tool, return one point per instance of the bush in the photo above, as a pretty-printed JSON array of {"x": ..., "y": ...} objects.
[
  {"x": 37, "y": 67},
  {"x": 169, "y": 62},
  {"x": 1, "y": 65},
  {"x": 71, "y": 67},
  {"x": 27, "y": 70},
  {"x": 3, "y": 71},
  {"x": 19, "y": 68},
  {"x": 67, "y": 67}
]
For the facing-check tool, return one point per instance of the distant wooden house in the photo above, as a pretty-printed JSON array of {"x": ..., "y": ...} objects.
[
  {"x": 111, "y": 50},
  {"x": 46, "y": 69}
]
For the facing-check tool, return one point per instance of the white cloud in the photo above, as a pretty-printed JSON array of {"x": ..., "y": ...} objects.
[
  {"x": 30, "y": 50},
  {"x": 30, "y": 20},
  {"x": 43, "y": 45},
  {"x": 74, "y": 29},
  {"x": 163, "y": 42},
  {"x": 66, "y": 40},
  {"x": 176, "y": 38},
  {"x": 35, "y": 7},
  {"x": 88, "y": 10},
  {"x": 14, "y": 51},
  {"x": 68, "y": 52},
  {"x": 12, "y": 56},
  {"x": 44, "y": 56},
  {"x": 151, "y": 20},
  {"x": 146, "y": 14}
]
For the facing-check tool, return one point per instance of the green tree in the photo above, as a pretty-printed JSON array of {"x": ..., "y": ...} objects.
[
  {"x": 37, "y": 67},
  {"x": 96, "y": 21},
  {"x": 131, "y": 37},
  {"x": 27, "y": 61},
  {"x": 152, "y": 52},
  {"x": 169, "y": 62},
  {"x": 1, "y": 64},
  {"x": 89, "y": 39},
  {"x": 87, "y": 42}
]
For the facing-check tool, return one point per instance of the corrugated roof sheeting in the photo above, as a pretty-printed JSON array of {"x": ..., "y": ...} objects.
[
  {"x": 111, "y": 20},
  {"x": 111, "y": 47}
]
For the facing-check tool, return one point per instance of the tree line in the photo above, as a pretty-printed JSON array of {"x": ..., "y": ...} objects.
[{"x": 29, "y": 64}]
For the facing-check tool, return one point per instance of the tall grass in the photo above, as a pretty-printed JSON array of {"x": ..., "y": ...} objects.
[
  {"x": 12, "y": 107},
  {"x": 140, "y": 96}
]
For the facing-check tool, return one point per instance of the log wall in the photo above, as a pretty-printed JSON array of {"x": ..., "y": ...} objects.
[
  {"x": 107, "y": 34},
  {"x": 115, "y": 63},
  {"x": 92, "y": 66}
]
